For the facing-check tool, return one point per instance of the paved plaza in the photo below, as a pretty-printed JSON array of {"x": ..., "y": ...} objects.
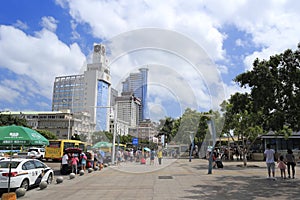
[{"x": 174, "y": 179}]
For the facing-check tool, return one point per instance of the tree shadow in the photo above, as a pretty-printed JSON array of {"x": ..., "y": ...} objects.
[{"x": 242, "y": 187}]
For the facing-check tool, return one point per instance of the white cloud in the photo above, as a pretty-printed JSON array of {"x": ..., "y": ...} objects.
[
  {"x": 272, "y": 25},
  {"x": 232, "y": 88},
  {"x": 49, "y": 23},
  {"x": 36, "y": 60},
  {"x": 110, "y": 18},
  {"x": 75, "y": 34},
  {"x": 21, "y": 25},
  {"x": 8, "y": 94}
]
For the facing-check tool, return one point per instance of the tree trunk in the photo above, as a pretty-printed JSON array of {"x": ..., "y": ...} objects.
[
  {"x": 245, "y": 157},
  {"x": 245, "y": 160}
]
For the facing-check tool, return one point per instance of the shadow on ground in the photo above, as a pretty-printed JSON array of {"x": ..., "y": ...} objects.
[{"x": 241, "y": 187}]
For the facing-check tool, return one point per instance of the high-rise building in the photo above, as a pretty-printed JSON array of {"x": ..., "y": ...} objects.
[
  {"x": 127, "y": 108},
  {"x": 89, "y": 92},
  {"x": 138, "y": 84}
]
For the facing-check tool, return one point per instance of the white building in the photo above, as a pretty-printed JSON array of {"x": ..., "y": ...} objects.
[
  {"x": 88, "y": 92},
  {"x": 128, "y": 108},
  {"x": 63, "y": 123}
]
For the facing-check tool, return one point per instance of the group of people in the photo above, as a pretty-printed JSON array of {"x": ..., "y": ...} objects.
[
  {"x": 288, "y": 162},
  {"x": 80, "y": 161},
  {"x": 137, "y": 156}
]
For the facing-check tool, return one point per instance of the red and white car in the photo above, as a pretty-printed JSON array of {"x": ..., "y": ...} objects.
[{"x": 24, "y": 173}]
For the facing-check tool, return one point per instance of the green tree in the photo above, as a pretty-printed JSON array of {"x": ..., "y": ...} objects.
[
  {"x": 166, "y": 128},
  {"x": 243, "y": 120},
  {"x": 47, "y": 134},
  {"x": 7, "y": 120},
  {"x": 275, "y": 89}
]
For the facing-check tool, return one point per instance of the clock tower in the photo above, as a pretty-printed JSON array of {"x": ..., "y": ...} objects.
[
  {"x": 98, "y": 83},
  {"x": 99, "y": 54}
]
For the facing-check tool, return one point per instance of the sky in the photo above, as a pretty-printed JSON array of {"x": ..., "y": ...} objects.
[{"x": 193, "y": 49}]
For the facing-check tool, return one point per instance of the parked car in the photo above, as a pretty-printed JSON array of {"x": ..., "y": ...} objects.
[
  {"x": 25, "y": 173},
  {"x": 36, "y": 152}
]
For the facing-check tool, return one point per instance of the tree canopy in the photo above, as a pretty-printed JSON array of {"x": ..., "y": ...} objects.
[
  {"x": 273, "y": 102},
  {"x": 275, "y": 89}
]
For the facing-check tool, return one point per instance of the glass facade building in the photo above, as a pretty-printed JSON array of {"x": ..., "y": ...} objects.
[
  {"x": 102, "y": 108},
  {"x": 138, "y": 84}
]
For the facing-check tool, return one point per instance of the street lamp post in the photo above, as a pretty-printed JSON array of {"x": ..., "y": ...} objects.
[
  {"x": 211, "y": 126},
  {"x": 114, "y": 136},
  {"x": 69, "y": 126},
  {"x": 192, "y": 144}
]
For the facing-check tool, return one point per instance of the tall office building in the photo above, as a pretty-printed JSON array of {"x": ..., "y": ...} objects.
[
  {"x": 128, "y": 109},
  {"x": 89, "y": 92},
  {"x": 138, "y": 84}
]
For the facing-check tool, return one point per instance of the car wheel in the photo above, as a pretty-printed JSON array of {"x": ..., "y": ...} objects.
[
  {"x": 25, "y": 184},
  {"x": 50, "y": 179}
]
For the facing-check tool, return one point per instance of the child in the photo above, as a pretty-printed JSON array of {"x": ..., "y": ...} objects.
[{"x": 282, "y": 167}]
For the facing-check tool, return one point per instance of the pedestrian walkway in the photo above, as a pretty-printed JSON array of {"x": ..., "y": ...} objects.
[{"x": 174, "y": 179}]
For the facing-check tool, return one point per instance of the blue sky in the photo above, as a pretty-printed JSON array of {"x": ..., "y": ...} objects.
[{"x": 40, "y": 40}]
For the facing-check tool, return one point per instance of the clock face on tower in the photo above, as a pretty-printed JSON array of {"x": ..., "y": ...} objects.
[{"x": 97, "y": 48}]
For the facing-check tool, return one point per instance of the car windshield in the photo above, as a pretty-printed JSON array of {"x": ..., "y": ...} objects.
[
  {"x": 5, "y": 164},
  {"x": 29, "y": 150}
]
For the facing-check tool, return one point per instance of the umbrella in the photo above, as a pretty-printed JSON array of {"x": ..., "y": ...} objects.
[
  {"x": 21, "y": 136},
  {"x": 147, "y": 149},
  {"x": 102, "y": 144}
]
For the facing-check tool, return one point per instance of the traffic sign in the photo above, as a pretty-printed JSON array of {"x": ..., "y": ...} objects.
[{"x": 135, "y": 141}]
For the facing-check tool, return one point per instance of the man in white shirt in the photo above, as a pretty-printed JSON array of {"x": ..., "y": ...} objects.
[
  {"x": 269, "y": 154},
  {"x": 64, "y": 163}
]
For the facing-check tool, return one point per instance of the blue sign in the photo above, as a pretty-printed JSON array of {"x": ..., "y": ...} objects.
[{"x": 135, "y": 141}]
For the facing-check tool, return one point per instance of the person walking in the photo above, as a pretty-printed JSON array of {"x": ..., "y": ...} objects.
[
  {"x": 282, "y": 167},
  {"x": 159, "y": 156},
  {"x": 291, "y": 163},
  {"x": 152, "y": 156},
  {"x": 269, "y": 154}
]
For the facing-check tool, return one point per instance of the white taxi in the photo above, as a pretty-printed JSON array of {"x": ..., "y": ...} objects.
[{"x": 24, "y": 173}]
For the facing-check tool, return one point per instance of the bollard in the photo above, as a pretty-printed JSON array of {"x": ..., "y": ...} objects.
[
  {"x": 72, "y": 175},
  {"x": 59, "y": 179},
  {"x": 20, "y": 192},
  {"x": 81, "y": 172},
  {"x": 90, "y": 170},
  {"x": 43, "y": 185}
]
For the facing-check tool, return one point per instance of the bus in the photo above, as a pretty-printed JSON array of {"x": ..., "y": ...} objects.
[
  {"x": 120, "y": 146},
  {"x": 109, "y": 149},
  {"x": 55, "y": 149},
  {"x": 280, "y": 143}
]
